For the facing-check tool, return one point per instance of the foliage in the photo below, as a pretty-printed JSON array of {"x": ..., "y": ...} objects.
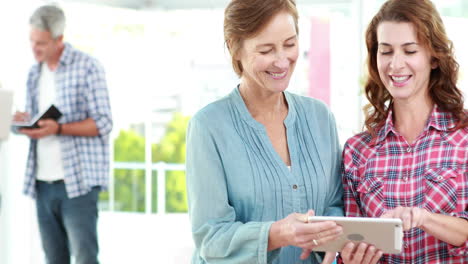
[
  {"x": 171, "y": 149},
  {"x": 129, "y": 186}
]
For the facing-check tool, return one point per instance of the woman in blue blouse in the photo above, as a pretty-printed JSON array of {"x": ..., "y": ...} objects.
[{"x": 260, "y": 155}]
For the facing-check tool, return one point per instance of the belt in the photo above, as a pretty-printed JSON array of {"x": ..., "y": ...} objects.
[{"x": 50, "y": 182}]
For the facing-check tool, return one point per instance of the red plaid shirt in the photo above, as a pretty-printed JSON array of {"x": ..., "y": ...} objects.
[{"x": 432, "y": 173}]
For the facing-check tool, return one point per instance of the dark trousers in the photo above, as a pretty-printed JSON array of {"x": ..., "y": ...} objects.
[{"x": 67, "y": 226}]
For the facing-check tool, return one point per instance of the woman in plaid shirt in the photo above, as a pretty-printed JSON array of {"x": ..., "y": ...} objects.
[{"x": 412, "y": 160}]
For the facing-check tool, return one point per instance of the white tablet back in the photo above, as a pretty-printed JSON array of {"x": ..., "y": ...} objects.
[{"x": 385, "y": 234}]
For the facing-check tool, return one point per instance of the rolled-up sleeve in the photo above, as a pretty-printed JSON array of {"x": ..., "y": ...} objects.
[
  {"x": 463, "y": 249},
  {"x": 218, "y": 237},
  {"x": 458, "y": 251},
  {"x": 99, "y": 108}
]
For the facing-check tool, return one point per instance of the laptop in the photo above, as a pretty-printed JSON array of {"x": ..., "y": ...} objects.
[{"x": 6, "y": 102}]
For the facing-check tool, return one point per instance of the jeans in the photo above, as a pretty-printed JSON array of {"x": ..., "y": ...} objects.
[{"x": 67, "y": 225}]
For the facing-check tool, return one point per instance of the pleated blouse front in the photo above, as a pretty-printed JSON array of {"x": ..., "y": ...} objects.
[{"x": 238, "y": 185}]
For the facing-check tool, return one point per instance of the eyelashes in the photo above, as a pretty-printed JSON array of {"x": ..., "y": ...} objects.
[
  {"x": 391, "y": 52},
  {"x": 265, "y": 52}
]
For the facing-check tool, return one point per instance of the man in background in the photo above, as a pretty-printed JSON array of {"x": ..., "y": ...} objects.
[{"x": 68, "y": 162}]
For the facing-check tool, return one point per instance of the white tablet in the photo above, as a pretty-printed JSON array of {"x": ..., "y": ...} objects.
[{"x": 385, "y": 234}]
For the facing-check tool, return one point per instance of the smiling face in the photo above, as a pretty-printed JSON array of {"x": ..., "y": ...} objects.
[
  {"x": 268, "y": 59},
  {"x": 403, "y": 63}
]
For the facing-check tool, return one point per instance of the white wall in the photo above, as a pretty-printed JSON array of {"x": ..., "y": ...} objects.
[{"x": 18, "y": 229}]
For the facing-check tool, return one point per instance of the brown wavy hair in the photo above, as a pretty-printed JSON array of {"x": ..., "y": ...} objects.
[
  {"x": 430, "y": 32},
  {"x": 244, "y": 19}
]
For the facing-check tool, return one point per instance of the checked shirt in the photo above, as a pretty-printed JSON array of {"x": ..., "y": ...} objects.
[
  {"x": 81, "y": 93},
  {"x": 386, "y": 172}
]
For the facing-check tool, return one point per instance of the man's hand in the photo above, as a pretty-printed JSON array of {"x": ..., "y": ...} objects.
[
  {"x": 46, "y": 128},
  {"x": 21, "y": 117}
]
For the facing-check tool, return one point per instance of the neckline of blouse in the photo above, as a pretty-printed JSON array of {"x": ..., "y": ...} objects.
[{"x": 247, "y": 117}]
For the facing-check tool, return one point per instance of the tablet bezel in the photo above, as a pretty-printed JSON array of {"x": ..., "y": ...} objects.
[{"x": 385, "y": 234}]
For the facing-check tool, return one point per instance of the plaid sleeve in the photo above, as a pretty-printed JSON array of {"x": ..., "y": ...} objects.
[
  {"x": 458, "y": 251},
  {"x": 351, "y": 197},
  {"x": 463, "y": 249},
  {"x": 98, "y": 99},
  {"x": 350, "y": 179}
]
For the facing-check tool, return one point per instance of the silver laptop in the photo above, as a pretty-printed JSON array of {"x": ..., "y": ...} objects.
[{"x": 6, "y": 102}]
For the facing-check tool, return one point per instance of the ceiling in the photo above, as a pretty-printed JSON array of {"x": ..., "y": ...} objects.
[{"x": 184, "y": 4}]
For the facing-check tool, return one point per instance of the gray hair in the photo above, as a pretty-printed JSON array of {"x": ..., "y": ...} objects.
[{"x": 49, "y": 18}]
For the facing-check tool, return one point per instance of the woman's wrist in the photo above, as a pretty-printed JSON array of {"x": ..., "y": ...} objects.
[
  {"x": 426, "y": 219},
  {"x": 274, "y": 239}
]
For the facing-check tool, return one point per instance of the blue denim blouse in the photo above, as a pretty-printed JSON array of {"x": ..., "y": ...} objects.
[{"x": 238, "y": 185}]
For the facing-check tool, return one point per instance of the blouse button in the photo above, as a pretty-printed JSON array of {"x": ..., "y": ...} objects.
[
  {"x": 294, "y": 186},
  {"x": 408, "y": 150},
  {"x": 405, "y": 179},
  {"x": 439, "y": 178}
]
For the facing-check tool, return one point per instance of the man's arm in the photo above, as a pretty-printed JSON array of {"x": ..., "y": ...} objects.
[{"x": 85, "y": 128}]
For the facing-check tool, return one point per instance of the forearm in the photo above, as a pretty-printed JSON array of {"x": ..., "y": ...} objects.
[
  {"x": 450, "y": 229},
  {"x": 275, "y": 240},
  {"x": 233, "y": 242},
  {"x": 85, "y": 128}
]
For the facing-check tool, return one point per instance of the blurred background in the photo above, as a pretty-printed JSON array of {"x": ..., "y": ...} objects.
[{"x": 164, "y": 60}]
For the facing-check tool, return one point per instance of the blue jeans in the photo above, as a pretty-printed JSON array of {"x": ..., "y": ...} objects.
[{"x": 67, "y": 225}]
